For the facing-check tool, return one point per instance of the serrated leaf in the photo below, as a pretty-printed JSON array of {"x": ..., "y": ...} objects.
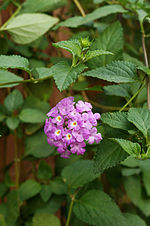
[
  {"x": 14, "y": 100},
  {"x": 111, "y": 39},
  {"x": 95, "y": 53},
  {"x": 134, "y": 220},
  {"x": 131, "y": 59},
  {"x": 72, "y": 46},
  {"x": 41, "y": 6},
  {"x": 140, "y": 117},
  {"x": 118, "y": 72},
  {"x": 27, "y": 27},
  {"x": 96, "y": 14},
  {"x": 37, "y": 146},
  {"x": 78, "y": 173},
  {"x": 29, "y": 115},
  {"x": 64, "y": 75},
  {"x": 6, "y": 77},
  {"x": 14, "y": 61},
  {"x": 146, "y": 70},
  {"x": 12, "y": 122},
  {"x": 28, "y": 189},
  {"x": 45, "y": 219},
  {"x": 133, "y": 189},
  {"x": 44, "y": 171},
  {"x": 131, "y": 148},
  {"x": 108, "y": 154},
  {"x": 97, "y": 208},
  {"x": 121, "y": 90},
  {"x": 44, "y": 72},
  {"x": 116, "y": 120}
]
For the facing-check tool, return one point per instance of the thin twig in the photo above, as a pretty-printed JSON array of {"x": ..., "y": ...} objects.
[
  {"x": 80, "y": 7},
  {"x": 146, "y": 64}
]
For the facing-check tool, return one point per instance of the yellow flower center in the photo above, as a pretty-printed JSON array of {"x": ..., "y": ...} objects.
[
  {"x": 58, "y": 118},
  {"x": 57, "y": 132},
  {"x": 69, "y": 136}
]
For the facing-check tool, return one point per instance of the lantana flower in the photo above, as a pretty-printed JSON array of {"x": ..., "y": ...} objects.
[{"x": 69, "y": 125}]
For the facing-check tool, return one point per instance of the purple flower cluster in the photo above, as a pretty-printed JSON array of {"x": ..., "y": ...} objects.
[{"x": 70, "y": 125}]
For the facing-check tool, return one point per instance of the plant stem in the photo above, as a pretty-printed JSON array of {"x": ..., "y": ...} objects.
[
  {"x": 146, "y": 64},
  {"x": 70, "y": 210},
  {"x": 26, "y": 81},
  {"x": 80, "y": 7},
  {"x": 137, "y": 92},
  {"x": 12, "y": 16}
]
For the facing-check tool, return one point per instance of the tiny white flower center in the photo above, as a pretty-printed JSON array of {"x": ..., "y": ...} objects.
[
  {"x": 57, "y": 132},
  {"x": 74, "y": 124},
  {"x": 58, "y": 118},
  {"x": 68, "y": 136}
]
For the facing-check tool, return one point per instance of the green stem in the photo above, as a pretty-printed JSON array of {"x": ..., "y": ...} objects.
[
  {"x": 26, "y": 81},
  {"x": 146, "y": 64},
  {"x": 132, "y": 98},
  {"x": 80, "y": 7},
  {"x": 70, "y": 210},
  {"x": 12, "y": 16}
]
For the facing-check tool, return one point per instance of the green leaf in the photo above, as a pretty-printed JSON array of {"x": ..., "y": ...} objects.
[
  {"x": 6, "y": 77},
  {"x": 146, "y": 180},
  {"x": 116, "y": 120},
  {"x": 12, "y": 207},
  {"x": 57, "y": 186},
  {"x": 78, "y": 173},
  {"x": 14, "y": 61},
  {"x": 45, "y": 219},
  {"x": 44, "y": 72},
  {"x": 141, "y": 15},
  {"x": 46, "y": 192},
  {"x": 28, "y": 189},
  {"x": 146, "y": 70},
  {"x": 131, "y": 148},
  {"x": 96, "y": 208},
  {"x": 140, "y": 117},
  {"x": 134, "y": 220},
  {"x": 130, "y": 171},
  {"x": 133, "y": 189},
  {"x": 108, "y": 154},
  {"x": 118, "y": 72},
  {"x": 41, "y": 6},
  {"x": 131, "y": 59},
  {"x": 72, "y": 46},
  {"x": 64, "y": 75},
  {"x": 111, "y": 39},
  {"x": 35, "y": 103},
  {"x": 37, "y": 146},
  {"x": 12, "y": 122},
  {"x": 14, "y": 100},
  {"x": 44, "y": 171},
  {"x": 121, "y": 90},
  {"x": 95, "y": 53},
  {"x": 96, "y": 14},
  {"x": 29, "y": 115},
  {"x": 27, "y": 27}
]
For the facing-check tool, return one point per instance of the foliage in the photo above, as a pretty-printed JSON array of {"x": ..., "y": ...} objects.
[{"x": 100, "y": 56}]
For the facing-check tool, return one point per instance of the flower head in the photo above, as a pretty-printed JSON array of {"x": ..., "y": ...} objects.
[{"x": 69, "y": 125}]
